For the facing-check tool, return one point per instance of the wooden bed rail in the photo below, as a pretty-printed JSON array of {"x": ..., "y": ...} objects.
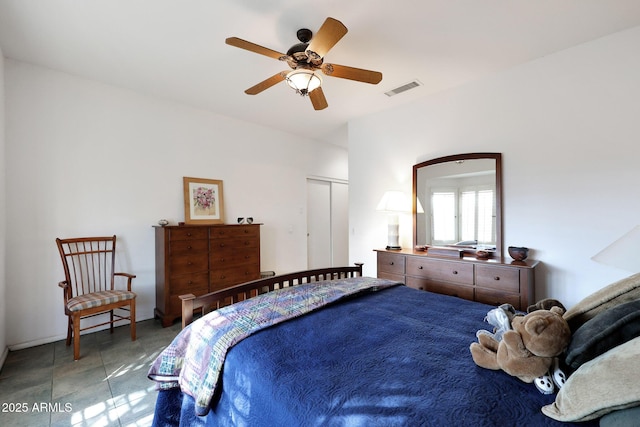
[{"x": 214, "y": 300}]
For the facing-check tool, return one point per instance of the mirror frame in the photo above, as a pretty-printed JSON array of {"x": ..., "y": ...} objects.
[{"x": 468, "y": 156}]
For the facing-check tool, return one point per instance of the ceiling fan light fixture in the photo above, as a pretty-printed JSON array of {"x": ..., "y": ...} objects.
[{"x": 303, "y": 81}]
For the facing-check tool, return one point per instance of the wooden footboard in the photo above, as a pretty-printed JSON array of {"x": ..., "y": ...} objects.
[{"x": 214, "y": 300}]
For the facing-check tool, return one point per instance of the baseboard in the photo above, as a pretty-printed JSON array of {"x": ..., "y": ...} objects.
[
  {"x": 3, "y": 357},
  {"x": 48, "y": 340},
  {"x": 36, "y": 343}
]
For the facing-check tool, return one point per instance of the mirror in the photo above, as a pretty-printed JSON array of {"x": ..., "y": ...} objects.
[{"x": 457, "y": 200}]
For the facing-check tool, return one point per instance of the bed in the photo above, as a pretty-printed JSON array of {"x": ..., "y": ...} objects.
[{"x": 347, "y": 350}]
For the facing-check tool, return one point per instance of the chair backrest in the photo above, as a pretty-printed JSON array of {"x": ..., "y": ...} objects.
[{"x": 88, "y": 263}]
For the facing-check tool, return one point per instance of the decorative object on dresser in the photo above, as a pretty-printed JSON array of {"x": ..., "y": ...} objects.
[
  {"x": 488, "y": 281},
  {"x": 445, "y": 251},
  {"x": 203, "y": 201},
  {"x": 518, "y": 253},
  {"x": 198, "y": 259},
  {"x": 393, "y": 203}
]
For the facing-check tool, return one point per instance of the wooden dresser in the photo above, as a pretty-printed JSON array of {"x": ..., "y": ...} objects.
[
  {"x": 196, "y": 259},
  {"x": 492, "y": 281}
]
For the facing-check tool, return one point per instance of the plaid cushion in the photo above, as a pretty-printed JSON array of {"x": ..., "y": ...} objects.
[{"x": 97, "y": 299}]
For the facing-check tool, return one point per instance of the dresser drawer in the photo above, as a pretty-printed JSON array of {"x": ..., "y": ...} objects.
[
  {"x": 190, "y": 284},
  {"x": 500, "y": 278},
  {"x": 461, "y": 291},
  {"x": 395, "y": 277},
  {"x": 390, "y": 263},
  {"x": 496, "y": 298},
  {"x": 184, "y": 264},
  {"x": 439, "y": 270},
  {"x": 186, "y": 247},
  {"x": 228, "y": 245},
  {"x": 224, "y": 277},
  {"x": 234, "y": 258},
  {"x": 235, "y": 232},
  {"x": 187, "y": 233}
]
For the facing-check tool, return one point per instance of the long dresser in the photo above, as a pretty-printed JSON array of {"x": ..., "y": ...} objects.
[
  {"x": 196, "y": 259},
  {"x": 491, "y": 281}
]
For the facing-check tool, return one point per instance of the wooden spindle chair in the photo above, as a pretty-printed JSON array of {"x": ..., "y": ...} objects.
[{"x": 90, "y": 286}]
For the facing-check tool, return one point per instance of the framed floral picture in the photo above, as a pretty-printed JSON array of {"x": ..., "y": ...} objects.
[{"x": 203, "y": 202}]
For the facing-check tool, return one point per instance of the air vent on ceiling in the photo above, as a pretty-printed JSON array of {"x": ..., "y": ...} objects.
[{"x": 404, "y": 88}]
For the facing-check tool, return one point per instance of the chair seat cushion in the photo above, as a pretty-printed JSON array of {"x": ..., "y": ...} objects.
[{"x": 97, "y": 299}]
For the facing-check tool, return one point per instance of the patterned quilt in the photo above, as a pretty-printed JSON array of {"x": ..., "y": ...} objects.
[{"x": 194, "y": 360}]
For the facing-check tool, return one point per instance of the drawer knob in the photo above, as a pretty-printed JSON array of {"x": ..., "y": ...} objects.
[
  {"x": 391, "y": 263},
  {"x": 455, "y": 272},
  {"x": 496, "y": 278},
  {"x": 189, "y": 234},
  {"x": 188, "y": 247},
  {"x": 421, "y": 268}
]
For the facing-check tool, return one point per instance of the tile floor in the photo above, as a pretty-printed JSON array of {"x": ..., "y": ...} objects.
[{"x": 108, "y": 386}]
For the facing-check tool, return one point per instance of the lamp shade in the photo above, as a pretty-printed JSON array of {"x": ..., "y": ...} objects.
[
  {"x": 622, "y": 253},
  {"x": 394, "y": 201},
  {"x": 303, "y": 81}
]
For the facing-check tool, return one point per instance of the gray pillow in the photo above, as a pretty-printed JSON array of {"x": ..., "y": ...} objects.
[
  {"x": 622, "y": 418},
  {"x": 605, "y": 331}
]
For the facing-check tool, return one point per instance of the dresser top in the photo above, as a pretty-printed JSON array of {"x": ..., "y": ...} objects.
[
  {"x": 506, "y": 261},
  {"x": 207, "y": 225}
]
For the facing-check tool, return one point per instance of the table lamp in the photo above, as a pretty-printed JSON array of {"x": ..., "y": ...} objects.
[{"x": 394, "y": 203}]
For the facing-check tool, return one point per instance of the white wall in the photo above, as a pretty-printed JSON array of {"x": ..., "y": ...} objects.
[
  {"x": 567, "y": 125},
  {"x": 3, "y": 285},
  {"x": 83, "y": 158}
]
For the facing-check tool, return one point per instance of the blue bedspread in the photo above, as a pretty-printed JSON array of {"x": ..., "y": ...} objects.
[
  {"x": 397, "y": 357},
  {"x": 194, "y": 360}
]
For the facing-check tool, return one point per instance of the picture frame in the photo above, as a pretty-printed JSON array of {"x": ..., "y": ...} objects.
[{"x": 203, "y": 201}]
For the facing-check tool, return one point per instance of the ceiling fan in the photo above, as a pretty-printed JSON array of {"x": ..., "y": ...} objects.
[{"x": 305, "y": 59}]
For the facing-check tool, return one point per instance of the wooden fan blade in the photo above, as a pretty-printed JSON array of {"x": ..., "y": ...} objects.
[
  {"x": 351, "y": 73},
  {"x": 252, "y": 47},
  {"x": 266, "y": 84},
  {"x": 317, "y": 99},
  {"x": 326, "y": 37}
]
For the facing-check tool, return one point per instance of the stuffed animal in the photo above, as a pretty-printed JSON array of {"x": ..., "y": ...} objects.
[
  {"x": 500, "y": 319},
  {"x": 528, "y": 350},
  {"x": 545, "y": 304}
]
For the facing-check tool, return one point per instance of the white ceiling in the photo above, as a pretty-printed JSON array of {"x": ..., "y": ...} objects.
[{"x": 175, "y": 49}]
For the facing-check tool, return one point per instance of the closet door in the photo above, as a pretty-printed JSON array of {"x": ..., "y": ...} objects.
[
  {"x": 339, "y": 224},
  {"x": 327, "y": 223}
]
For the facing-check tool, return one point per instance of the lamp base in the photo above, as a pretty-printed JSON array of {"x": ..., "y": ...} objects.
[{"x": 393, "y": 248}]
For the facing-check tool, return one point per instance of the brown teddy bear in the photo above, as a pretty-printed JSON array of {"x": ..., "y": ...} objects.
[{"x": 527, "y": 351}]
